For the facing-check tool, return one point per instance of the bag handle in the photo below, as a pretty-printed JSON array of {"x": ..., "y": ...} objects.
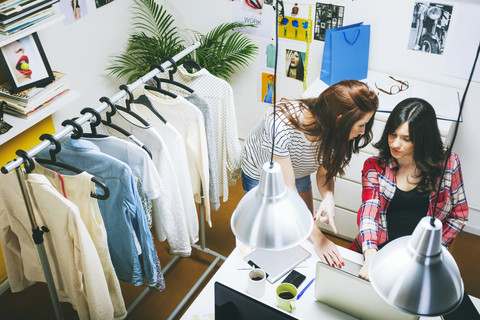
[{"x": 354, "y": 40}]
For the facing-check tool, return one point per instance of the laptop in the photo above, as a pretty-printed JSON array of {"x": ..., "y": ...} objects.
[
  {"x": 342, "y": 289},
  {"x": 276, "y": 264},
  {"x": 231, "y": 304}
]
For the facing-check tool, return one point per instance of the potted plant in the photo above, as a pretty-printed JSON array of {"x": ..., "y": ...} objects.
[{"x": 223, "y": 50}]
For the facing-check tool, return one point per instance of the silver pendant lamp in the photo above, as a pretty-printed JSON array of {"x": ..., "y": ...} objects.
[
  {"x": 416, "y": 273},
  {"x": 272, "y": 216}
]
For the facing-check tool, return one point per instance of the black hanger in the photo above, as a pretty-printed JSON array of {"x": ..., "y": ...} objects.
[
  {"x": 77, "y": 128},
  {"x": 170, "y": 73},
  {"x": 158, "y": 86},
  {"x": 28, "y": 163},
  {"x": 143, "y": 100},
  {"x": 192, "y": 64},
  {"x": 53, "y": 161},
  {"x": 93, "y": 124},
  {"x": 108, "y": 123},
  {"x": 127, "y": 108}
]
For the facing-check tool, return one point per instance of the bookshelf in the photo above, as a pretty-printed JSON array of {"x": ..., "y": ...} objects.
[
  {"x": 4, "y": 40},
  {"x": 19, "y": 125}
]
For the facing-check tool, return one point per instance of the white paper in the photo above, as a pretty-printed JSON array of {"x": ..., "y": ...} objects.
[{"x": 463, "y": 41}]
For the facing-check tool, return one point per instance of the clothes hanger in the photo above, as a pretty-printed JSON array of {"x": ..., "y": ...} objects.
[
  {"x": 170, "y": 73},
  {"x": 158, "y": 87},
  {"x": 192, "y": 64},
  {"x": 127, "y": 107},
  {"x": 143, "y": 100},
  {"x": 93, "y": 124},
  {"x": 53, "y": 161},
  {"x": 108, "y": 123}
]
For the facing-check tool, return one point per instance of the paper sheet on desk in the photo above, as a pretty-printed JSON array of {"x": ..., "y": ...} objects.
[
  {"x": 243, "y": 250},
  {"x": 445, "y": 101}
]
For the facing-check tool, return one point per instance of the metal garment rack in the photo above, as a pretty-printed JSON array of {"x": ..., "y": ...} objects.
[{"x": 38, "y": 231}]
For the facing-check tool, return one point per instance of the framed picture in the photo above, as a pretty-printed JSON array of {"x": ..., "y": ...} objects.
[{"x": 25, "y": 63}]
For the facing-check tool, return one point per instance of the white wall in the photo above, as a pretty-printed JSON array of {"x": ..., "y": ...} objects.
[{"x": 81, "y": 50}]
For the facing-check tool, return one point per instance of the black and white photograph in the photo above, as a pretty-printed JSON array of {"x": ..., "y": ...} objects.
[
  {"x": 25, "y": 63},
  {"x": 429, "y": 29},
  {"x": 327, "y": 16}
]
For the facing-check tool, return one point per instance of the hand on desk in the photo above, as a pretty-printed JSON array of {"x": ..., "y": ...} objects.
[
  {"x": 368, "y": 254},
  {"x": 326, "y": 250}
]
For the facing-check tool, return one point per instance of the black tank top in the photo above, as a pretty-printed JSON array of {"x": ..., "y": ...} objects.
[{"x": 405, "y": 211}]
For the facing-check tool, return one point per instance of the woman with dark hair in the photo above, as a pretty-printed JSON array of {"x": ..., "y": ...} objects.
[
  {"x": 295, "y": 65},
  {"x": 399, "y": 186},
  {"x": 313, "y": 135}
]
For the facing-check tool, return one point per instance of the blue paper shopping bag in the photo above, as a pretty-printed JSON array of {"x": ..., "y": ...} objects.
[{"x": 345, "y": 54}]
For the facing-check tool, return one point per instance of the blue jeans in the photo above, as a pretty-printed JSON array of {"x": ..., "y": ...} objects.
[{"x": 303, "y": 184}]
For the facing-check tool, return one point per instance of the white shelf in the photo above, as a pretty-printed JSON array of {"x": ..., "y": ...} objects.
[
  {"x": 4, "y": 40},
  {"x": 19, "y": 124}
]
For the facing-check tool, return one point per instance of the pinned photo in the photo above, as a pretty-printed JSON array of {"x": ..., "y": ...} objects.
[{"x": 429, "y": 27}]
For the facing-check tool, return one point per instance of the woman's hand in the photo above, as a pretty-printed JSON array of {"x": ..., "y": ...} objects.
[
  {"x": 368, "y": 254},
  {"x": 326, "y": 211},
  {"x": 326, "y": 250}
]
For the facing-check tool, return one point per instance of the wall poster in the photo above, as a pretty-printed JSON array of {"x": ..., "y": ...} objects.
[
  {"x": 429, "y": 28},
  {"x": 327, "y": 16}
]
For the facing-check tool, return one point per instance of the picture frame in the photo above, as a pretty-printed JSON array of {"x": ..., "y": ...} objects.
[{"x": 25, "y": 63}]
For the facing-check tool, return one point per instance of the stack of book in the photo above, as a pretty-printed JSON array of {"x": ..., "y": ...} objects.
[
  {"x": 16, "y": 15},
  {"x": 27, "y": 102}
]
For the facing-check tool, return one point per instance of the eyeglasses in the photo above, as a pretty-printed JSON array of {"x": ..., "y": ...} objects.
[{"x": 395, "y": 88}]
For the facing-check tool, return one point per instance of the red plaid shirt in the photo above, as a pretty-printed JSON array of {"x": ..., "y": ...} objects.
[{"x": 378, "y": 188}]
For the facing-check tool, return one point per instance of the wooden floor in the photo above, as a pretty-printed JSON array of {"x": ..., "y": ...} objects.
[{"x": 34, "y": 302}]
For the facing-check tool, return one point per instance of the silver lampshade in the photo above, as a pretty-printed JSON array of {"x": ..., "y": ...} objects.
[
  {"x": 417, "y": 274},
  {"x": 271, "y": 216}
]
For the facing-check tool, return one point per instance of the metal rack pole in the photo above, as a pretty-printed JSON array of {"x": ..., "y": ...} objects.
[
  {"x": 37, "y": 235},
  {"x": 15, "y": 164},
  {"x": 102, "y": 106}
]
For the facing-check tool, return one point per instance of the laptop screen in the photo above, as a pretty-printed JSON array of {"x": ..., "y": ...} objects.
[{"x": 234, "y": 305}]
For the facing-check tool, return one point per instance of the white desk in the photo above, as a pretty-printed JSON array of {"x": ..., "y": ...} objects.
[{"x": 306, "y": 307}]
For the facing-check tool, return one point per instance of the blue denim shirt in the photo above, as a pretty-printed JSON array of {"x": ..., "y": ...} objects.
[{"x": 122, "y": 211}]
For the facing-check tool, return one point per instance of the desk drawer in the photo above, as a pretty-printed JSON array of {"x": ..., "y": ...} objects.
[{"x": 348, "y": 194}]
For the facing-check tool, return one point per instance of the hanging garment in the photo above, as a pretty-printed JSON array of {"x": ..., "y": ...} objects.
[
  {"x": 76, "y": 268},
  {"x": 219, "y": 96},
  {"x": 168, "y": 210},
  {"x": 122, "y": 211},
  {"x": 145, "y": 174},
  {"x": 143, "y": 170},
  {"x": 77, "y": 189},
  {"x": 188, "y": 121},
  {"x": 203, "y": 106},
  {"x": 170, "y": 159}
]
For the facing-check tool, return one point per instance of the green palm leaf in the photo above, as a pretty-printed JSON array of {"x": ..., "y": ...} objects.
[{"x": 223, "y": 50}]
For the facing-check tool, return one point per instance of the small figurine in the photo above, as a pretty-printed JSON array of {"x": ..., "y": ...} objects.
[{"x": 295, "y": 9}]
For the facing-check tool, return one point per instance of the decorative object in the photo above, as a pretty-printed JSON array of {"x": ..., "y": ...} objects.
[
  {"x": 25, "y": 63},
  {"x": 223, "y": 50}
]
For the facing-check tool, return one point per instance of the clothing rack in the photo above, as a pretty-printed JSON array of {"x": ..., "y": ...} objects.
[{"x": 38, "y": 231}]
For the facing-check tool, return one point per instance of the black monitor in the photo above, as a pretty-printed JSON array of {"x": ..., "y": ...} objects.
[{"x": 234, "y": 305}]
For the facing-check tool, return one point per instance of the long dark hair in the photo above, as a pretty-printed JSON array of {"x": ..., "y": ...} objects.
[
  {"x": 334, "y": 113},
  {"x": 300, "y": 68},
  {"x": 428, "y": 149}
]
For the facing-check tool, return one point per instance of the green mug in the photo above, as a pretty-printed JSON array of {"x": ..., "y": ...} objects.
[{"x": 286, "y": 296}]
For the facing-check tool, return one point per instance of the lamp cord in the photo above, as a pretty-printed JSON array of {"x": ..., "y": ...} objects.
[
  {"x": 449, "y": 149},
  {"x": 275, "y": 81}
]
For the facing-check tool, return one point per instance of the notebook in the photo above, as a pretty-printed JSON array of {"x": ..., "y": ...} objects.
[
  {"x": 276, "y": 264},
  {"x": 345, "y": 291}
]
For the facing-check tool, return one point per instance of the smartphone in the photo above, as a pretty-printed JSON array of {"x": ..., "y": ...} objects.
[{"x": 295, "y": 278}]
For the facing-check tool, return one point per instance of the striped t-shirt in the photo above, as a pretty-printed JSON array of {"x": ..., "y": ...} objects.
[{"x": 289, "y": 142}]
